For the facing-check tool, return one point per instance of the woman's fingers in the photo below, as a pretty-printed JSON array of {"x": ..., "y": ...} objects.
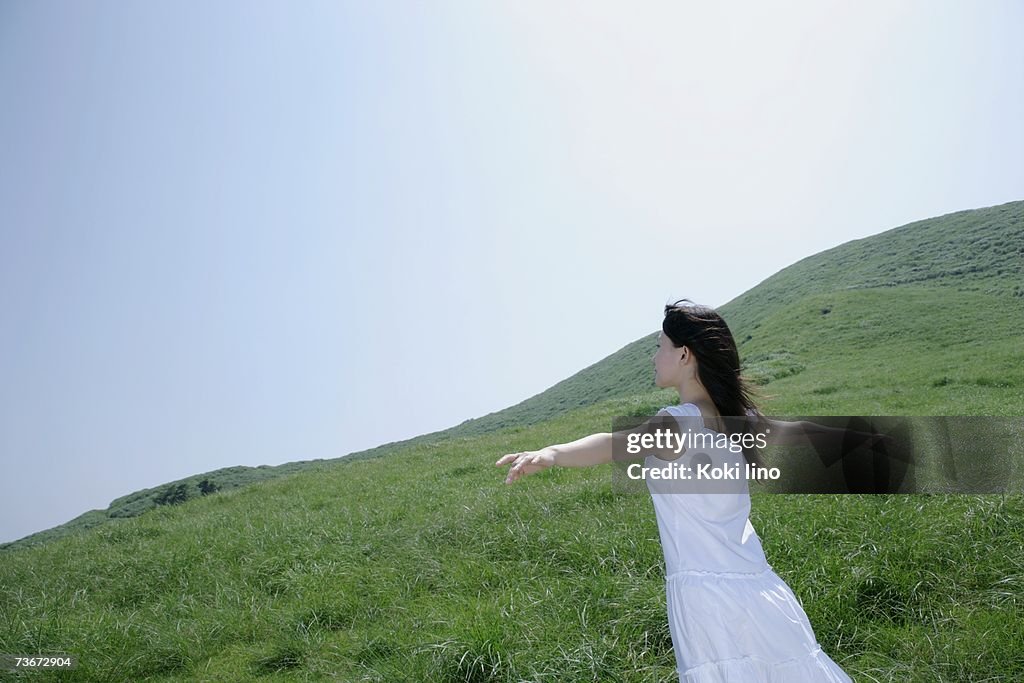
[
  {"x": 524, "y": 463},
  {"x": 520, "y": 464},
  {"x": 505, "y": 459},
  {"x": 517, "y": 469}
]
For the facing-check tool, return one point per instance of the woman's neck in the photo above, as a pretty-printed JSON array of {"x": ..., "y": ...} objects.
[
  {"x": 695, "y": 394},
  {"x": 698, "y": 396}
]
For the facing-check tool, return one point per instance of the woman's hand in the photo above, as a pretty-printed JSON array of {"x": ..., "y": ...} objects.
[{"x": 526, "y": 462}]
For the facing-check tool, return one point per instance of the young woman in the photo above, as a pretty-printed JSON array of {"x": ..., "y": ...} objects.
[{"x": 731, "y": 617}]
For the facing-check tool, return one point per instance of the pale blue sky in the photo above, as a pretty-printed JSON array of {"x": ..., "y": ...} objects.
[{"x": 252, "y": 233}]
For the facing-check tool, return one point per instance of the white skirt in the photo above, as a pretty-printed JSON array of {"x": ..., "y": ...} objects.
[{"x": 742, "y": 628}]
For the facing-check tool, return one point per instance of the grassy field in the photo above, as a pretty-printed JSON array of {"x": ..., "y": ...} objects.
[
  {"x": 421, "y": 565},
  {"x": 425, "y": 567}
]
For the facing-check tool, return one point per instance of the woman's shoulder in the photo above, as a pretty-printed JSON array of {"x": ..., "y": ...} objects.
[
  {"x": 687, "y": 415},
  {"x": 690, "y": 413},
  {"x": 683, "y": 410}
]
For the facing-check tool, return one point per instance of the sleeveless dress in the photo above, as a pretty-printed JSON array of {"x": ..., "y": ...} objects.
[{"x": 731, "y": 617}]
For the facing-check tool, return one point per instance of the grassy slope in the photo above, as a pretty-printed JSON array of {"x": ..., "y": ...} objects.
[
  {"x": 622, "y": 373},
  {"x": 422, "y": 566},
  {"x": 138, "y": 502}
]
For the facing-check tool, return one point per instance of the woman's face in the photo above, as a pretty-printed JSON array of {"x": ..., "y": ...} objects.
[{"x": 666, "y": 363}]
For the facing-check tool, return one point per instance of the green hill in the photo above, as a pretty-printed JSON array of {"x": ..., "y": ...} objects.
[{"x": 422, "y": 566}]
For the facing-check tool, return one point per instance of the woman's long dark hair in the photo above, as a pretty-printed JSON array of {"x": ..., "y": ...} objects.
[{"x": 704, "y": 332}]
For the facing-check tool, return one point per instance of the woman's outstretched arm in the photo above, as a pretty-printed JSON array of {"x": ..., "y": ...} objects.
[
  {"x": 829, "y": 442},
  {"x": 594, "y": 449}
]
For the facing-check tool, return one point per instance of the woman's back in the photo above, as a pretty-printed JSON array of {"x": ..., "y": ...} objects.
[{"x": 703, "y": 530}]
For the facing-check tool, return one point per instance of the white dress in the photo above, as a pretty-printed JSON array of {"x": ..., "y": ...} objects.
[{"x": 731, "y": 617}]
